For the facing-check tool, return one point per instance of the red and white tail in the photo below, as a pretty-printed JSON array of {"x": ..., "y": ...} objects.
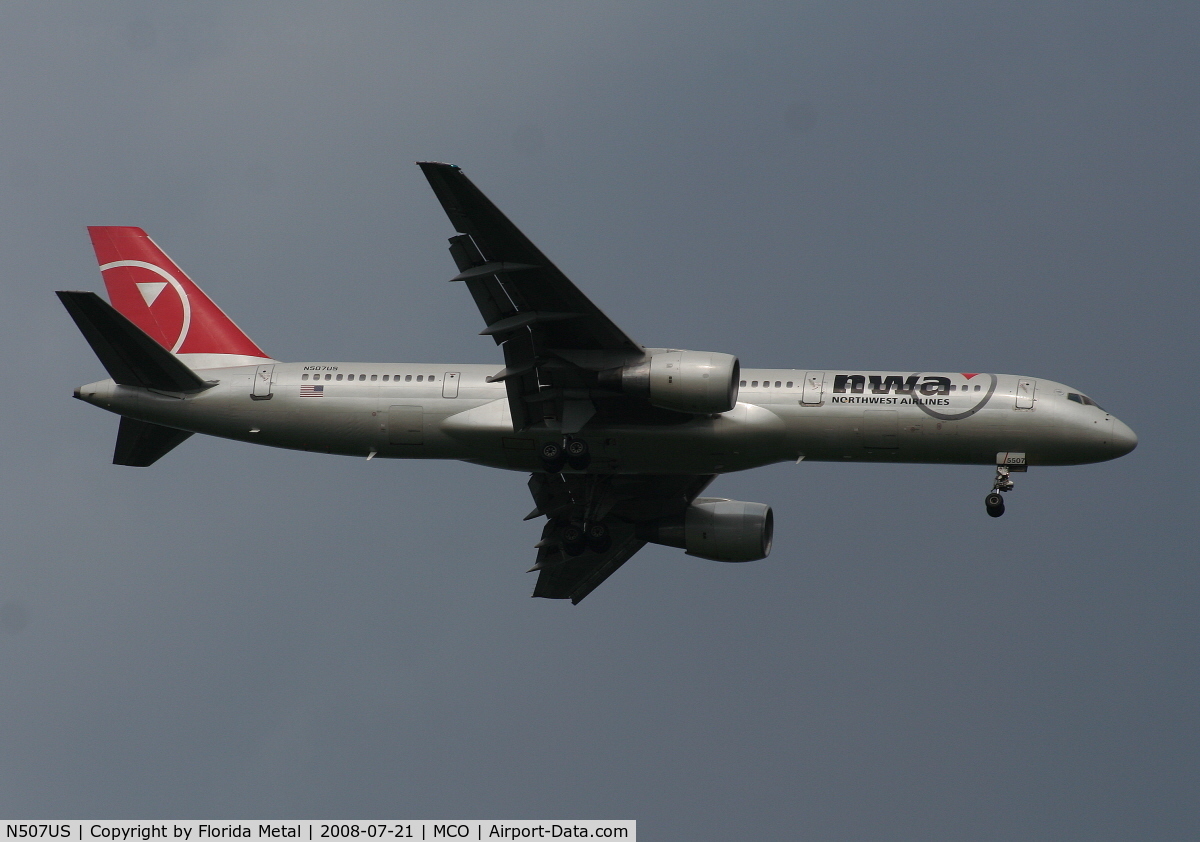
[{"x": 147, "y": 288}]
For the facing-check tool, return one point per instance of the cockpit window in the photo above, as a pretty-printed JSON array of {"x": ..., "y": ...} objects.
[{"x": 1085, "y": 400}]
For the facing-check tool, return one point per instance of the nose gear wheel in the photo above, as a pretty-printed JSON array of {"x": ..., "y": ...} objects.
[{"x": 994, "y": 502}]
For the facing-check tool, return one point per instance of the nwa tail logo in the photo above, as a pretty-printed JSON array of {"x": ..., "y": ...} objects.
[
  {"x": 150, "y": 290},
  {"x": 925, "y": 391},
  {"x": 169, "y": 316}
]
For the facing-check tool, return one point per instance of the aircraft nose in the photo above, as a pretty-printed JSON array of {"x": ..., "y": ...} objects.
[{"x": 1123, "y": 438}]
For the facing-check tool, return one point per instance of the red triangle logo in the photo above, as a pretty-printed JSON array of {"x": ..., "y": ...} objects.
[{"x": 969, "y": 376}]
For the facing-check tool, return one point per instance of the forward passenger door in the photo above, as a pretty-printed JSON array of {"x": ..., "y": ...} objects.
[{"x": 814, "y": 389}]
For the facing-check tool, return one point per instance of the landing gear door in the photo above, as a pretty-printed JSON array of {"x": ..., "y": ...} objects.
[
  {"x": 1025, "y": 389},
  {"x": 406, "y": 425},
  {"x": 261, "y": 390},
  {"x": 881, "y": 429},
  {"x": 814, "y": 389}
]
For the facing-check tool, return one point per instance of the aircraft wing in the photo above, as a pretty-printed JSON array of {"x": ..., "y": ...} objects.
[
  {"x": 620, "y": 502},
  {"x": 554, "y": 338}
]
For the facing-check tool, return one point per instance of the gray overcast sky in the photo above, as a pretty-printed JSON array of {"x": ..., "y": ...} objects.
[{"x": 241, "y": 632}]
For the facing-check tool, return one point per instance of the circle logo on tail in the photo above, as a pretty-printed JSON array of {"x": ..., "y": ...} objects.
[{"x": 150, "y": 292}]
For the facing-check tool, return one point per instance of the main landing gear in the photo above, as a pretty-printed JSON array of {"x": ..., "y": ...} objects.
[
  {"x": 576, "y": 538},
  {"x": 572, "y": 452},
  {"x": 994, "y": 503}
]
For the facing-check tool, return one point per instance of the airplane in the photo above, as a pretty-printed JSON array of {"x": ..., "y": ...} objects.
[{"x": 620, "y": 440}]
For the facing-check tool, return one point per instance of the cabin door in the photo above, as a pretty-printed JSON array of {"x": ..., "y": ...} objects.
[
  {"x": 261, "y": 390},
  {"x": 814, "y": 389},
  {"x": 1025, "y": 389}
]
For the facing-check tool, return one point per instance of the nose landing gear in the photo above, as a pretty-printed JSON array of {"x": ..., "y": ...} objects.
[{"x": 994, "y": 503}]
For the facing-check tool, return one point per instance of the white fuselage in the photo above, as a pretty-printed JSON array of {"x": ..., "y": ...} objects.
[{"x": 452, "y": 412}]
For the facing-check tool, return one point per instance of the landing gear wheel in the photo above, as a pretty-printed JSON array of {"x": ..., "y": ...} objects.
[
  {"x": 553, "y": 457},
  {"x": 994, "y": 503},
  {"x": 578, "y": 454},
  {"x": 574, "y": 540},
  {"x": 599, "y": 539}
]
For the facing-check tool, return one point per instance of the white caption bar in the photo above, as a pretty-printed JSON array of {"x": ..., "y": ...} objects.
[{"x": 321, "y": 831}]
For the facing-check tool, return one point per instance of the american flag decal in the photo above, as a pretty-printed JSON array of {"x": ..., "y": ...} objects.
[{"x": 312, "y": 391}]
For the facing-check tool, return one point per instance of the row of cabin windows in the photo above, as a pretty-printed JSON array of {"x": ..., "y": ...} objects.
[
  {"x": 766, "y": 384},
  {"x": 421, "y": 378}
]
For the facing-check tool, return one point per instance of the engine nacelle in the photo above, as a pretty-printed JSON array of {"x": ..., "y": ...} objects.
[
  {"x": 717, "y": 529},
  {"x": 701, "y": 382}
]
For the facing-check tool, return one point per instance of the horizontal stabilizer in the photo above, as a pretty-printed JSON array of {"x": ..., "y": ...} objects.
[
  {"x": 129, "y": 355},
  {"x": 141, "y": 444}
]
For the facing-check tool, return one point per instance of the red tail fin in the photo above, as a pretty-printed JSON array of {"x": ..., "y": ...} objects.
[{"x": 147, "y": 287}]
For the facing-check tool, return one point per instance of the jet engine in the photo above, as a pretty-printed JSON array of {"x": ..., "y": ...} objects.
[
  {"x": 716, "y": 529},
  {"x": 686, "y": 381}
]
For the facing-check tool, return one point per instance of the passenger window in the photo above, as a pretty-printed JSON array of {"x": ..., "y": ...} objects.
[
  {"x": 407, "y": 378},
  {"x": 303, "y": 376},
  {"x": 776, "y": 384},
  {"x": 753, "y": 384},
  {"x": 420, "y": 378},
  {"x": 374, "y": 377},
  {"x": 976, "y": 388},
  {"x": 339, "y": 377},
  {"x": 743, "y": 383},
  {"x": 385, "y": 378},
  {"x": 362, "y": 377},
  {"x": 328, "y": 376},
  {"x": 789, "y": 384},
  {"x": 430, "y": 378}
]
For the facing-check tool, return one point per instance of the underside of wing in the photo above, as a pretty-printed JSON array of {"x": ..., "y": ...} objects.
[
  {"x": 574, "y": 577},
  {"x": 555, "y": 339},
  {"x": 595, "y": 522}
]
